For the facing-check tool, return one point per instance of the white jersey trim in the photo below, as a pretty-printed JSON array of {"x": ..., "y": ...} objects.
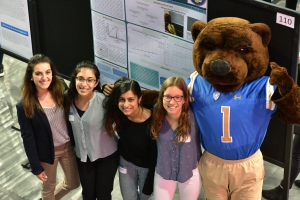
[
  {"x": 269, "y": 92},
  {"x": 193, "y": 77}
]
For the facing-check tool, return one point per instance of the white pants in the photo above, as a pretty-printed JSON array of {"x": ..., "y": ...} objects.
[{"x": 165, "y": 189}]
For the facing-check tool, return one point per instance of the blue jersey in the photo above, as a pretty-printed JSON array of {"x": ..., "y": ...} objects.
[{"x": 232, "y": 125}]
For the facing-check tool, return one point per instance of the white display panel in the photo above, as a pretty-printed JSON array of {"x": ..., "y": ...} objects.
[
  {"x": 15, "y": 35},
  {"x": 130, "y": 39}
]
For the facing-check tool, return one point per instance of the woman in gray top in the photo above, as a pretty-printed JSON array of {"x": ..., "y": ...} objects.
[
  {"x": 178, "y": 145},
  {"x": 96, "y": 151}
]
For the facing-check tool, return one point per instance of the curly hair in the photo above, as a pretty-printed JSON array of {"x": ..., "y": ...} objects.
[
  {"x": 184, "y": 125},
  {"x": 29, "y": 90},
  {"x": 72, "y": 91}
]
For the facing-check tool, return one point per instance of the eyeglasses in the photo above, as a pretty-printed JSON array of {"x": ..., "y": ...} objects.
[
  {"x": 176, "y": 98},
  {"x": 88, "y": 81}
]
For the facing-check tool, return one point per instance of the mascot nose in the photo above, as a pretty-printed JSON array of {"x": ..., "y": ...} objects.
[{"x": 220, "y": 67}]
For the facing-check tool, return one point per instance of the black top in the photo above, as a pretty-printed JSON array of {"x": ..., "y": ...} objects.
[
  {"x": 136, "y": 146},
  {"x": 80, "y": 112}
]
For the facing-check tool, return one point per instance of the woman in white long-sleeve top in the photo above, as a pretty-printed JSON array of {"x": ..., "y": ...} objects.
[{"x": 96, "y": 151}]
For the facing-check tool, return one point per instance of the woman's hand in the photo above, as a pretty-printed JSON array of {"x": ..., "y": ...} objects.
[
  {"x": 108, "y": 89},
  {"x": 42, "y": 176}
]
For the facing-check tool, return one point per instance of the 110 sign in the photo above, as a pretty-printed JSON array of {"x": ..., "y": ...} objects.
[{"x": 285, "y": 20}]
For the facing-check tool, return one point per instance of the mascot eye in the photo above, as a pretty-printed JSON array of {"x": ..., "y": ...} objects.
[
  {"x": 209, "y": 46},
  {"x": 242, "y": 50}
]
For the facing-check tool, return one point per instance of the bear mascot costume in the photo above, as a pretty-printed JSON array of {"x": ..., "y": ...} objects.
[{"x": 233, "y": 102}]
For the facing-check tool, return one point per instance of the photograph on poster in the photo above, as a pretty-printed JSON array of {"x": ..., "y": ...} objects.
[
  {"x": 174, "y": 23},
  {"x": 190, "y": 22},
  {"x": 200, "y": 3}
]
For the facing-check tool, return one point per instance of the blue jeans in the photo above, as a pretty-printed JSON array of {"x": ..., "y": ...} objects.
[{"x": 132, "y": 179}]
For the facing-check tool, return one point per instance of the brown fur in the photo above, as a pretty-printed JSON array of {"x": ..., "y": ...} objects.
[
  {"x": 149, "y": 98},
  {"x": 241, "y": 48}
]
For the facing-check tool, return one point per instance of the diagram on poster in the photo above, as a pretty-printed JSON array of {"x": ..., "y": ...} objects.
[{"x": 150, "y": 43}]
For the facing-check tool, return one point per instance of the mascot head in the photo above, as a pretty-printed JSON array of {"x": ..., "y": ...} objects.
[{"x": 230, "y": 51}]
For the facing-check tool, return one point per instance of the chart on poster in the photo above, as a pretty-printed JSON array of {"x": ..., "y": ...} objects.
[
  {"x": 146, "y": 40},
  {"x": 15, "y": 35}
]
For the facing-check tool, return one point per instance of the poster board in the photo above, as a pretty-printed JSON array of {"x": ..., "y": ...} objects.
[
  {"x": 130, "y": 39},
  {"x": 15, "y": 30}
]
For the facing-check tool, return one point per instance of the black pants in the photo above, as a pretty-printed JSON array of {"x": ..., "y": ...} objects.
[
  {"x": 97, "y": 178},
  {"x": 295, "y": 166}
]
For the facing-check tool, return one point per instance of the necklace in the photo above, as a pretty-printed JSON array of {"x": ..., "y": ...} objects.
[{"x": 45, "y": 98}]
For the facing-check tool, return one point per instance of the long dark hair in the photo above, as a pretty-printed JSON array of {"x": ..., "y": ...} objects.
[
  {"x": 72, "y": 92},
  {"x": 28, "y": 87},
  {"x": 113, "y": 113}
]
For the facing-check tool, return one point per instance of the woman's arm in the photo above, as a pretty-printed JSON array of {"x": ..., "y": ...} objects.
[{"x": 29, "y": 141}]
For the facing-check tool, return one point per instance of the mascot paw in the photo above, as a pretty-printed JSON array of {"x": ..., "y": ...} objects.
[{"x": 280, "y": 77}]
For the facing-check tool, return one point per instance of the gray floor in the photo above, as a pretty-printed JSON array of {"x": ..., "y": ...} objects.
[{"x": 17, "y": 183}]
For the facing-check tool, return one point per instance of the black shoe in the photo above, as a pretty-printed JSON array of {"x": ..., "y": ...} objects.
[
  {"x": 1, "y": 71},
  {"x": 274, "y": 194},
  {"x": 297, "y": 183},
  {"x": 26, "y": 166}
]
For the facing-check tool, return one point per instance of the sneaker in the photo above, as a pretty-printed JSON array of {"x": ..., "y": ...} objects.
[
  {"x": 297, "y": 183},
  {"x": 273, "y": 194},
  {"x": 1, "y": 71}
]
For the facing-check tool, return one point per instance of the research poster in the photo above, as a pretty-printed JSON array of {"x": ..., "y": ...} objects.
[
  {"x": 145, "y": 40},
  {"x": 15, "y": 33}
]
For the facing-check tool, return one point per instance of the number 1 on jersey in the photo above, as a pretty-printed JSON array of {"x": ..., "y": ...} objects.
[{"x": 226, "y": 124}]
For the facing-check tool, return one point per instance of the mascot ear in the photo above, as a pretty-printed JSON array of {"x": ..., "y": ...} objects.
[
  {"x": 263, "y": 30},
  {"x": 197, "y": 28}
]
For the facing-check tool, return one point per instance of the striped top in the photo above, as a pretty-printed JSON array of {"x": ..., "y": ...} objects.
[
  {"x": 58, "y": 125},
  {"x": 91, "y": 139}
]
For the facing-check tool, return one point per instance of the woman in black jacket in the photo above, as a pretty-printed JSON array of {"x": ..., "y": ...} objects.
[{"x": 43, "y": 128}]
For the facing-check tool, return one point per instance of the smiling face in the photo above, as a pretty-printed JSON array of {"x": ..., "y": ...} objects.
[
  {"x": 86, "y": 82},
  {"x": 42, "y": 76},
  {"x": 173, "y": 107},
  {"x": 129, "y": 103}
]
